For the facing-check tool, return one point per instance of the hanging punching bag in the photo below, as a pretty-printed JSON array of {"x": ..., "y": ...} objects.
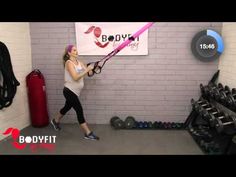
[{"x": 37, "y": 99}]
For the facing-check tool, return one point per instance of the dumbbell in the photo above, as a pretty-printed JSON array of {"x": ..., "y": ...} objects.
[
  {"x": 196, "y": 104},
  {"x": 217, "y": 92},
  {"x": 231, "y": 99},
  {"x": 173, "y": 125},
  {"x": 200, "y": 108},
  {"x": 129, "y": 122},
  {"x": 176, "y": 125},
  {"x": 204, "y": 90},
  {"x": 212, "y": 109},
  {"x": 214, "y": 149},
  {"x": 220, "y": 125},
  {"x": 209, "y": 147},
  {"x": 150, "y": 125},
  {"x": 164, "y": 125},
  {"x": 207, "y": 107},
  {"x": 155, "y": 125},
  {"x": 145, "y": 124},
  {"x": 196, "y": 130},
  {"x": 223, "y": 95},
  {"x": 213, "y": 118},
  {"x": 205, "y": 114},
  {"x": 117, "y": 123},
  {"x": 136, "y": 126},
  {"x": 201, "y": 128},
  {"x": 200, "y": 101},
  {"x": 202, "y": 134},
  {"x": 168, "y": 125},
  {"x": 160, "y": 125},
  {"x": 214, "y": 90},
  {"x": 140, "y": 125}
]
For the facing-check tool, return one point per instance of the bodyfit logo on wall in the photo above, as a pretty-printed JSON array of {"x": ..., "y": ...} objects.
[
  {"x": 105, "y": 39},
  {"x": 97, "y": 31},
  {"x": 35, "y": 142},
  {"x": 101, "y": 38}
]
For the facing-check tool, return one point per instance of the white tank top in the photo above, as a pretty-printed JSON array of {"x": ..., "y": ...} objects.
[{"x": 70, "y": 83}]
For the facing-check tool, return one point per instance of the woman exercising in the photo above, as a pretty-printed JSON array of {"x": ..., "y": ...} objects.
[{"x": 75, "y": 71}]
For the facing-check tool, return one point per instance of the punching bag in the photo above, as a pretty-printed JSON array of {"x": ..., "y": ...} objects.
[{"x": 37, "y": 99}]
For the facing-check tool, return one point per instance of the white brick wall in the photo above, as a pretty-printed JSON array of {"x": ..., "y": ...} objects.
[
  {"x": 16, "y": 36},
  {"x": 154, "y": 87},
  {"x": 227, "y": 64}
]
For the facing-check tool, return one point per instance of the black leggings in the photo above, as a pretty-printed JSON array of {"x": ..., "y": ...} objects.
[{"x": 72, "y": 100}]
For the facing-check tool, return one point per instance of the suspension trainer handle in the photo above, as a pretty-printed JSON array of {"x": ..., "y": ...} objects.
[{"x": 96, "y": 69}]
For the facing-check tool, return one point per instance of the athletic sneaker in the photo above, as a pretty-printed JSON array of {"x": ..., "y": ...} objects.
[
  {"x": 55, "y": 125},
  {"x": 91, "y": 136}
]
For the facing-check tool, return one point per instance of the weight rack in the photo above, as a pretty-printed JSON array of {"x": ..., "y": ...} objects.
[{"x": 215, "y": 142}]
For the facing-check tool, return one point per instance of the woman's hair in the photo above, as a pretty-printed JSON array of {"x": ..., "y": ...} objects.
[{"x": 66, "y": 55}]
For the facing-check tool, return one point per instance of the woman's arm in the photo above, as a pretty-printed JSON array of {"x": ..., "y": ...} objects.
[
  {"x": 70, "y": 67},
  {"x": 85, "y": 67}
]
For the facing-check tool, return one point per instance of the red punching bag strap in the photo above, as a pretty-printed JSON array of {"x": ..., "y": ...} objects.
[{"x": 35, "y": 72}]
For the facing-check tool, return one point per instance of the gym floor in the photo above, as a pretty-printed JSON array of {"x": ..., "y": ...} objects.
[{"x": 69, "y": 141}]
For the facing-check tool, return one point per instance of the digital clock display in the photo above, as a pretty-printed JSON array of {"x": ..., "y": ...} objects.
[{"x": 207, "y": 45}]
